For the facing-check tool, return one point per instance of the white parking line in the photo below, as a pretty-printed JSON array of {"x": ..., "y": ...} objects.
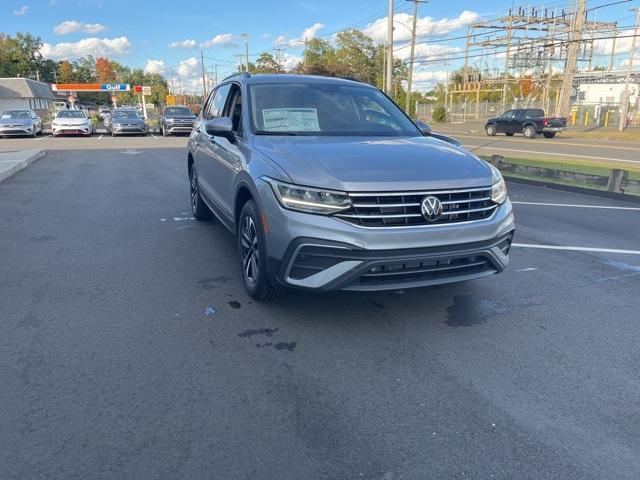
[
  {"x": 589, "y": 157},
  {"x": 577, "y": 249},
  {"x": 636, "y": 209},
  {"x": 100, "y": 137},
  {"x": 506, "y": 139},
  {"x": 42, "y": 138},
  {"x": 153, "y": 136}
]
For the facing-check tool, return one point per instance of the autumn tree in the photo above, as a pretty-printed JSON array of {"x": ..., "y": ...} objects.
[
  {"x": 104, "y": 71},
  {"x": 65, "y": 72}
]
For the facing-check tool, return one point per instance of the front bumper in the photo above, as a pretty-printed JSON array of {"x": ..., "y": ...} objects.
[
  {"x": 16, "y": 130},
  {"x": 325, "y": 253},
  {"x": 129, "y": 129},
  {"x": 71, "y": 130}
]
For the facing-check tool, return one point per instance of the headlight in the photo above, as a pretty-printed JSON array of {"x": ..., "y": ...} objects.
[
  {"x": 308, "y": 199},
  {"x": 168, "y": 120},
  {"x": 498, "y": 187}
]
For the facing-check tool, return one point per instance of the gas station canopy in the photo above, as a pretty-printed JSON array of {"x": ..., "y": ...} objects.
[{"x": 91, "y": 87}]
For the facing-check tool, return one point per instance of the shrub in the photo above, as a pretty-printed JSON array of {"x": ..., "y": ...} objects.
[{"x": 439, "y": 114}]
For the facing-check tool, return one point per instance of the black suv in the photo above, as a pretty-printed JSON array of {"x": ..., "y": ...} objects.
[{"x": 176, "y": 120}]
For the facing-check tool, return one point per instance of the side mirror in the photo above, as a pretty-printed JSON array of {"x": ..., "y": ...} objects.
[
  {"x": 220, "y": 127},
  {"x": 424, "y": 127}
]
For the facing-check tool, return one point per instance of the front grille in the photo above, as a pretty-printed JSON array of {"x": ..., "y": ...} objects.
[
  {"x": 426, "y": 270},
  {"x": 396, "y": 209}
]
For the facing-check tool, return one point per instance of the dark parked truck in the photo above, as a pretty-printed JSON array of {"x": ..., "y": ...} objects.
[{"x": 528, "y": 121}]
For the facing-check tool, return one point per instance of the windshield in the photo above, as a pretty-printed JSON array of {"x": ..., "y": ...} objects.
[
  {"x": 325, "y": 109},
  {"x": 16, "y": 114},
  {"x": 178, "y": 111},
  {"x": 71, "y": 114},
  {"x": 125, "y": 114}
]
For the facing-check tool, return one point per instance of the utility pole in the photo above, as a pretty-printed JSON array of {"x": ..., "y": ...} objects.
[
  {"x": 389, "y": 81},
  {"x": 173, "y": 90},
  {"x": 246, "y": 50},
  {"x": 204, "y": 80},
  {"x": 506, "y": 62},
  {"x": 411, "y": 57},
  {"x": 384, "y": 66},
  {"x": 613, "y": 49},
  {"x": 466, "y": 56},
  {"x": 547, "y": 88},
  {"x": 625, "y": 96},
  {"x": 572, "y": 59}
]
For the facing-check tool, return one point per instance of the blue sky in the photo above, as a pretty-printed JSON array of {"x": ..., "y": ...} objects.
[{"x": 158, "y": 34}]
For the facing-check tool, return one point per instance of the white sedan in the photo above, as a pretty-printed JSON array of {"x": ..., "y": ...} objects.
[{"x": 71, "y": 122}]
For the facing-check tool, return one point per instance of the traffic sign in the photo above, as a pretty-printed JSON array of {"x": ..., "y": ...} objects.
[
  {"x": 171, "y": 100},
  {"x": 146, "y": 90}
]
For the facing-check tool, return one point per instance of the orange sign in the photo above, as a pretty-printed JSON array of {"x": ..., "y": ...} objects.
[{"x": 91, "y": 87}]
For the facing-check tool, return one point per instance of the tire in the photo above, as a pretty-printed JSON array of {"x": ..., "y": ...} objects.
[
  {"x": 253, "y": 255},
  {"x": 199, "y": 209},
  {"x": 34, "y": 134},
  {"x": 529, "y": 132},
  {"x": 491, "y": 130},
  {"x": 164, "y": 132},
  {"x": 509, "y": 134},
  {"x": 549, "y": 134}
]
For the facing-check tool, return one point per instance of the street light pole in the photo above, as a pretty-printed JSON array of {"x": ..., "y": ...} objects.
[
  {"x": 625, "y": 95},
  {"x": 246, "y": 49},
  {"x": 389, "y": 81},
  {"x": 413, "y": 46}
]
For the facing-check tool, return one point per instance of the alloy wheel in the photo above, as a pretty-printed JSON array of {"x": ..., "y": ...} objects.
[
  {"x": 194, "y": 190},
  {"x": 250, "y": 252}
]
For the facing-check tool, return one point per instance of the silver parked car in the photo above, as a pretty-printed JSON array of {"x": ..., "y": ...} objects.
[
  {"x": 176, "y": 120},
  {"x": 126, "y": 122},
  {"x": 328, "y": 185},
  {"x": 71, "y": 122},
  {"x": 20, "y": 122}
]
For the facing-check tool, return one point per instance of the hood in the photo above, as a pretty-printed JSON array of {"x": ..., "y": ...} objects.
[
  {"x": 16, "y": 121},
  {"x": 374, "y": 164},
  {"x": 72, "y": 121}
]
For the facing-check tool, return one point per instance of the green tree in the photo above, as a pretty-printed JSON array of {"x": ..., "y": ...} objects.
[{"x": 266, "y": 63}]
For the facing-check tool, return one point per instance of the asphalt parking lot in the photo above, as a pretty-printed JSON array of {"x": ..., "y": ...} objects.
[{"x": 130, "y": 350}]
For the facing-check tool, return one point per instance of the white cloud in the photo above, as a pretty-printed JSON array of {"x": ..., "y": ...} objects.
[
  {"x": 98, "y": 47},
  {"x": 72, "y": 26},
  {"x": 426, "y": 52},
  {"x": 291, "y": 61},
  {"x": 21, "y": 11},
  {"x": 189, "y": 68},
  {"x": 307, "y": 34},
  {"x": 426, "y": 26},
  {"x": 183, "y": 44},
  {"x": 154, "y": 66},
  {"x": 222, "y": 40}
]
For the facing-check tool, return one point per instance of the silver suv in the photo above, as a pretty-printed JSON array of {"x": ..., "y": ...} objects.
[{"x": 328, "y": 185}]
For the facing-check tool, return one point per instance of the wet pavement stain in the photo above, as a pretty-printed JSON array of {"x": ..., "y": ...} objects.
[
  {"x": 258, "y": 331},
  {"x": 290, "y": 347},
  {"x": 470, "y": 310},
  {"x": 235, "y": 304},
  {"x": 210, "y": 283}
]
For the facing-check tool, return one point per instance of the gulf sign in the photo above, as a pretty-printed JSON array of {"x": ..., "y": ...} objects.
[{"x": 91, "y": 87}]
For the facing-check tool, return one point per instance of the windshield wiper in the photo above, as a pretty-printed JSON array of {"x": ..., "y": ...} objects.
[{"x": 269, "y": 132}]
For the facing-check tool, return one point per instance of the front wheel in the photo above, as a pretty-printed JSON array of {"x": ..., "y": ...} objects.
[
  {"x": 34, "y": 132},
  {"x": 549, "y": 134},
  {"x": 529, "y": 132},
  {"x": 491, "y": 130},
  {"x": 253, "y": 254},
  {"x": 199, "y": 209}
]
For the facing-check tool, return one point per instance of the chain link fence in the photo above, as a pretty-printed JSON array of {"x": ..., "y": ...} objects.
[{"x": 587, "y": 115}]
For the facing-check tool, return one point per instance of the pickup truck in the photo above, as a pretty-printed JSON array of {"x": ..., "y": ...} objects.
[{"x": 528, "y": 121}]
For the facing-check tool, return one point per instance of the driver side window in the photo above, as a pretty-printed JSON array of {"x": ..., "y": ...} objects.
[
  {"x": 507, "y": 115},
  {"x": 217, "y": 103}
]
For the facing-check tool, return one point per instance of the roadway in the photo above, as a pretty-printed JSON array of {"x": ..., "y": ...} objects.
[{"x": 130, "y": 350}]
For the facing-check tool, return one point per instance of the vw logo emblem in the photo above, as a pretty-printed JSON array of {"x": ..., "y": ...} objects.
[{"x": 431, "y": 208}]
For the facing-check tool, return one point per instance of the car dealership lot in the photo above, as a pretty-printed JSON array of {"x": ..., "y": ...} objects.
[{"x": 130, "y": 349}]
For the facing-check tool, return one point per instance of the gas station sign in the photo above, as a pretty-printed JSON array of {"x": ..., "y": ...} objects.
[{"x": 91, "y": 87}]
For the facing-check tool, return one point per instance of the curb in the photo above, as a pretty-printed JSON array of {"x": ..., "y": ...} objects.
[
  {"x": 574, "y": 189},
  {"x": 9, "y": 167}
]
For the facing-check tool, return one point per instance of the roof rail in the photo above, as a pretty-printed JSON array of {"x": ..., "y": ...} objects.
[{"x": 239, "y": 74}]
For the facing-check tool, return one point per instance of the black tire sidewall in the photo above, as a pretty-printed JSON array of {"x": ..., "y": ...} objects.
[
  {"x": 261, "y": 289},
  {"x": 491, "y": 130}
]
